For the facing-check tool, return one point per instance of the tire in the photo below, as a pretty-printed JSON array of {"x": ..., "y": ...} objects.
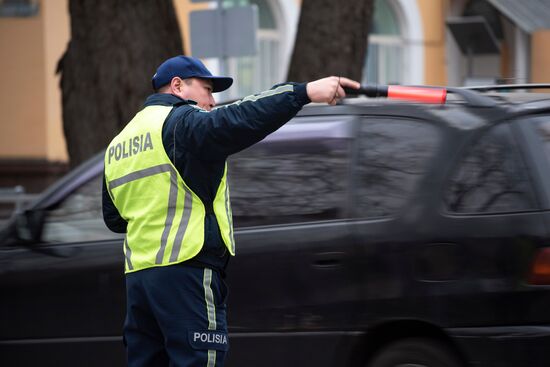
[{"x": 415, "y": 352}]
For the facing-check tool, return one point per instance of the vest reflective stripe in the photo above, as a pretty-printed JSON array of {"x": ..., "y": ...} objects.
[
  {"x": 188, "y": 203},
  {"x": 128, "y": 255},
  {"x": 165, "y": 217},
  {"x": 172, "y": 196},
  {"x": 143, "y": 173},
  {"x": 229, "y": 215},
  {"x": 222, "y": 209}
]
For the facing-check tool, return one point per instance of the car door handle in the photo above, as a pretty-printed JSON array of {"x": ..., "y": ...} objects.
[{"x": 327, "y": 260}]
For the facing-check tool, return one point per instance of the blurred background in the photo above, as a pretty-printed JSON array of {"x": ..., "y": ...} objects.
[{"x": 73, "y": 72}]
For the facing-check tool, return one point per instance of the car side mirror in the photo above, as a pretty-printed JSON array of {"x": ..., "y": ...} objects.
[{"x": 29, "y": 225}]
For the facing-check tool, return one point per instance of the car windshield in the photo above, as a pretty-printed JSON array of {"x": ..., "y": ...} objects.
[{"x": 78, "y": 217}]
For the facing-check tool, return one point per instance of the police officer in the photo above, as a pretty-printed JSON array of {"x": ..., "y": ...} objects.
[{"x": 166, "y": 187}]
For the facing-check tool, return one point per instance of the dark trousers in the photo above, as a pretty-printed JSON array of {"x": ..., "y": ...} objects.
[{"x": 176, "y": 316}]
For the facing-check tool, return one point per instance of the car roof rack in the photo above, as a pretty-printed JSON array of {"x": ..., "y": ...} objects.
[
  {"x": 501, "y": 87},
  {"x": 473, "y": 98},
  {"x": 422, "y": 93}
]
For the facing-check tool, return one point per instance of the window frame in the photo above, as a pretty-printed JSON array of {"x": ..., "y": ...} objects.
[
  {"x": 386, "y": 43},
  {"x": 19, "y": 9},
  {"x": 260, "y": 81}
]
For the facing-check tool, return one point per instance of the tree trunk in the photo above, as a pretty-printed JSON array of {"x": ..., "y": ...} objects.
[
  {"x": 106, "y": 71},
  {"x": 331, "y": 40}
]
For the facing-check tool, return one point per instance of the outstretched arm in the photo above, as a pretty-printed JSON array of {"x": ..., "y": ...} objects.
[{"x": 232, "y": 128}]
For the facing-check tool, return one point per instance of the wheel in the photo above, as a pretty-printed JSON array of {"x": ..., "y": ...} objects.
[{"x": 415, "y": 352}]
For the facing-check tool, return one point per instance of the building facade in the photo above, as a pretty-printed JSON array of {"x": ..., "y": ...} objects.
[{"x": 411, "y": 42}]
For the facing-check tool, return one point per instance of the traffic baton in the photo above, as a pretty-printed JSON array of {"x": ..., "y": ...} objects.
[{"x": 416, "y": 94}]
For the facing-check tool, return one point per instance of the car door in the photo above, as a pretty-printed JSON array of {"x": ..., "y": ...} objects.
[
  {"x": 293, "y": 284},
  {"x": 491, "y": 213},
  {"x": 63, "y": 298},
  {"x": 395, "y": 158}
]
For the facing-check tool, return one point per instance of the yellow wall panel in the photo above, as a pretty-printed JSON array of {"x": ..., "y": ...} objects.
[
  {"x": 56, "y": 38},
  {"x": 540, "y": 56},
  {"x": 22, "y": 102},
  {"x": 433, "y": 22}
]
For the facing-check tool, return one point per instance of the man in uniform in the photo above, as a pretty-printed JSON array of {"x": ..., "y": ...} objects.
[{"x": 166, "y": 187}]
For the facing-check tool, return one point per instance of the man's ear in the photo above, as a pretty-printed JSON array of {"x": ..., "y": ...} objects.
[{"x": 176, "y": 85}]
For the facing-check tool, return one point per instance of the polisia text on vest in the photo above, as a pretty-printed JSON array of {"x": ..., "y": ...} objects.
[{"x": 131, "y": 147}]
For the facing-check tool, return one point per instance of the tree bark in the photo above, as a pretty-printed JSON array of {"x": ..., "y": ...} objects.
[
  {"x": 106, "y": 71},
  {"x": 332, "y": 39}
]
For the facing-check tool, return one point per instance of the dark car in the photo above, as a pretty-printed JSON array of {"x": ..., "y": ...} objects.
[{"x": 372, "y": 233}]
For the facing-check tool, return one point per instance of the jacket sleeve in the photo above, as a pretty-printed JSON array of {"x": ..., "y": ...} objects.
[
  {"x": 229, "y": 129},
  {"x": 111, "y": 216}
]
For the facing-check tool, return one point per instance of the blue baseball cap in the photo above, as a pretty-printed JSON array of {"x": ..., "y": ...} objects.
[{"x": 188, "y": 67}]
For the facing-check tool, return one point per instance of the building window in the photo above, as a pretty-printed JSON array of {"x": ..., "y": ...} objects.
[
  {"x": 384, "y": 62},
  {"x": 253, "y": 74},
  {"x": 18, "y": 8}
]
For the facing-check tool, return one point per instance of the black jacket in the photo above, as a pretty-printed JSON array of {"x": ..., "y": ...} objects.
[{"x": 199, "y": 142}]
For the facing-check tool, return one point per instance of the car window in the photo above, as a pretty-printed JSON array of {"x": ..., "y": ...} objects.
[
  {"x": 491, "y": 177},
  {"x": 393, "y": 156},
  {"x": 298, "y": 177},
  {"x": 78, "y": 217}
]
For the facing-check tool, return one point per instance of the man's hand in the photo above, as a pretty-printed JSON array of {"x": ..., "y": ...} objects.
[{"x": 329, "y": 90}]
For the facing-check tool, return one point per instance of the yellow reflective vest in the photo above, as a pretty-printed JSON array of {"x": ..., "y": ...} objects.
[{"x": 165, "y": 217}]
